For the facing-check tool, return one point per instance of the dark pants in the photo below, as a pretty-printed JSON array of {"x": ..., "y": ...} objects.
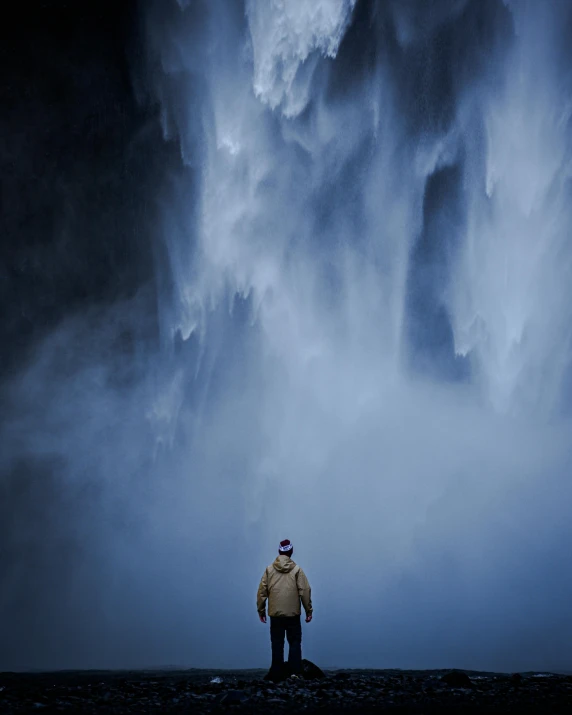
[{"x": 292, "y": 628}]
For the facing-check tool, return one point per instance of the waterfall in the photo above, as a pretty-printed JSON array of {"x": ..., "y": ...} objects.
[
  {"x": 362, "y": 265},
  {"x": 314, "y": 168},
  {"x": 383, "y": 188}
]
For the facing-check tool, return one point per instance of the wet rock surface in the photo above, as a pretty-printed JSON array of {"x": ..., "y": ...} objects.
[{"x": 356, "y": 691}]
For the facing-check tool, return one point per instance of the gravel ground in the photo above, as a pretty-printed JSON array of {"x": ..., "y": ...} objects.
[{"x": 356, "y": 691}]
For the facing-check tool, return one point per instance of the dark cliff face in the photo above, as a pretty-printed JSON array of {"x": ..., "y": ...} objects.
[
  {"x": 76, "y": 154},
  {"x": 79, "y": 159}
]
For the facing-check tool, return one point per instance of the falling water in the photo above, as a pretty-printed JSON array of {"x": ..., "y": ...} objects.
[
  {"x": 317, "y": 142},
  {"x": 384, "y": 186},
  {"x": 365, "y": 338}
]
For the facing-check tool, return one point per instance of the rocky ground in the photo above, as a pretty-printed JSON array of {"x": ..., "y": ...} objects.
[{"x": 356, "y": 691}]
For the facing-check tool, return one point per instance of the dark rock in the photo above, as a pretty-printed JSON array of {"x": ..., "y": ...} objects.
[
  {"x": 342, "y": 676},
  {"x": 232, "y": 697},
  {"x": 361, "y": 693},
  {"x": 310, "y": 670},
  {"x": 457, "y": 679}
]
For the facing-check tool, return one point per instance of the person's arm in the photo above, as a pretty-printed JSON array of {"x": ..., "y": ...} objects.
[
  {"x": 261, "y": 597},
  {"x": 305, "y": 593}
]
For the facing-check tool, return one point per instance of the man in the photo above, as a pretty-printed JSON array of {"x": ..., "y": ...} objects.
[{"x": 284, "y": 584}]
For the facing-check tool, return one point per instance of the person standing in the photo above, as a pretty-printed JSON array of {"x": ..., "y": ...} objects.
[{"x": 285, "y": 586}]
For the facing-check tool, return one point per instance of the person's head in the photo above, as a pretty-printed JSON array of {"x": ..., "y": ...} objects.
[{"x": 285, "y": 548}]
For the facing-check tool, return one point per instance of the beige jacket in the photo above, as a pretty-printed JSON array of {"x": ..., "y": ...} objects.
[{"x": 284, "y": 584}]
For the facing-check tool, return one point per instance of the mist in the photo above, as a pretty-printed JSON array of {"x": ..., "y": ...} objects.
[{"x": 341, "y": 316}]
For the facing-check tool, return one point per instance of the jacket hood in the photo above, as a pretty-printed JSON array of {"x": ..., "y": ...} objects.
[{"x": 283, "y": 564}]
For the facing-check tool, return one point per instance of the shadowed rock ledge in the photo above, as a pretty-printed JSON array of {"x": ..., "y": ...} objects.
[{"x": 356, "y": 691}]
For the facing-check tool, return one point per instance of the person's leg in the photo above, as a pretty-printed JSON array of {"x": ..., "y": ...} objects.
[
  {"x": 277, "y": 629},
  {"x": 294, "y": 635}
]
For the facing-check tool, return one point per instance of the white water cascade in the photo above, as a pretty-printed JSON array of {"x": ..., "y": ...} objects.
[{"x": 385, "y": 187}]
